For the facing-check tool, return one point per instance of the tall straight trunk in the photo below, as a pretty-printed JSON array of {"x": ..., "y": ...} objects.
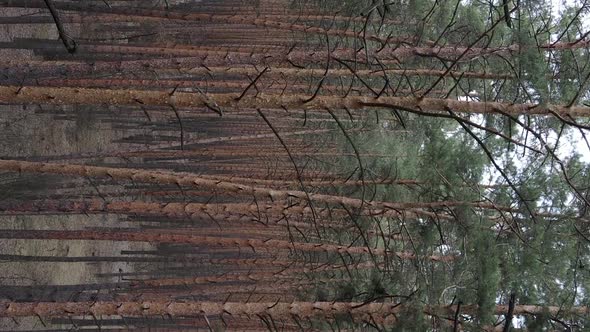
[
  {"x": 315, "y": 182},
  {"x": 58, "y": 68},
  {"x": 228, "y": 102},
  {"x": 277, "y": 310},
  {"x": 302, "y": 72},
  {"x": 139, "y": 207},
  {"x": 212, "y": 86},
  {"x": 276, "y": 56},
  {"x": 201, "y": 210}
]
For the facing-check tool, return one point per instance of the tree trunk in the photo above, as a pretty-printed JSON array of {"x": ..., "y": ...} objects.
[
  {"x": 227, "y": 102},
  {"x": 277, "y": 310}
]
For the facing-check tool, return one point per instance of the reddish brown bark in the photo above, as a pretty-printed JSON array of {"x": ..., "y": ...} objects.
[
  {"x": 284, "y": 310},
  {"x": 48, "y": 95},
  {"x": 299, "y": 72}
]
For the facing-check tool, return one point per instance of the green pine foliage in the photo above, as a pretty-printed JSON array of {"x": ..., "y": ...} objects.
[{"x": 536, "y": 243}]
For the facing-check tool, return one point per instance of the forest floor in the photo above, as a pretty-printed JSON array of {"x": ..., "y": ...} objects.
[{"x": 25, "y": 132}]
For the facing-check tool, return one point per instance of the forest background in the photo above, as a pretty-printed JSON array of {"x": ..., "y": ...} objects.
[{"x": 309, "y": 165}]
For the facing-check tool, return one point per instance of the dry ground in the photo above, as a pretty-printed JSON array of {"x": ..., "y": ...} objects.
[{"x": 25, "y": 132}]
